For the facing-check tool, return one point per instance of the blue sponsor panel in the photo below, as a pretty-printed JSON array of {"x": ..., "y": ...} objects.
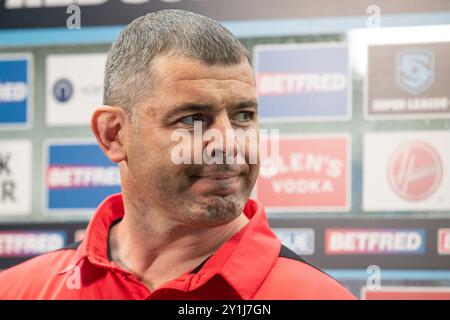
[
  {"x": 299, "y": 240},
  {"x": 79, "y": 176},
  {"x": 14, "y": 90},
  {"x": 300, "y": 82}
]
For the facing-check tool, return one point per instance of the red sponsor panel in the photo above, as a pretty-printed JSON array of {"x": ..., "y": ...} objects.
[
  {"x": 406, "y": 293},
  {"x": 310, "y": 173},
  {"x": 444, "y": 241}
]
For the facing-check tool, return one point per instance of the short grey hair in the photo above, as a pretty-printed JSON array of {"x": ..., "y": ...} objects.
[{"x": 128, "y": 75}]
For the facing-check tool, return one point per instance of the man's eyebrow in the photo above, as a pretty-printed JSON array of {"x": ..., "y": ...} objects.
[{"x": 246, "y": 104}]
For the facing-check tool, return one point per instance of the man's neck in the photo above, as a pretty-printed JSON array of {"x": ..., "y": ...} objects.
[{"x": 157, "y": 250}]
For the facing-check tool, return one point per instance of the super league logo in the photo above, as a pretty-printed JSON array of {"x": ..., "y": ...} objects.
[{"x": 415, "y": 70}]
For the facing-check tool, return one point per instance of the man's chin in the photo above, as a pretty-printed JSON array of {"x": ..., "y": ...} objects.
[{"x": 217, "y": 210}]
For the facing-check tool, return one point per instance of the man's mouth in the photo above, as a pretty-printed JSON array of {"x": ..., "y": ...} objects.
[
  {"x": 217, "y": 183},
  {"x": 219, "y": 175}
]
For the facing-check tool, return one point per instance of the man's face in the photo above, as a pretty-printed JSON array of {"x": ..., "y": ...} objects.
[{"x": 187, "y": 91}]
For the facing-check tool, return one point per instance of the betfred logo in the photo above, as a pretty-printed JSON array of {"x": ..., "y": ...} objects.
[
  {"x": 303, "y": 82},
  {"x": 78, "y": 176},
  {"x": 310, "y": 173},
  {"x": 300, "y": 83},
  {"x": 59, "y": 177},
  {"x": 444, "y": 241},
  {"x": 30, "y": 243},
  {"x": 374, "y": 241},
  {"x": 415, "y": 170}
]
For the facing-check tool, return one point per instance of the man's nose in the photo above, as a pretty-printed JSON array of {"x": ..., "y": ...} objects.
[{"x": 227, "y": 144}]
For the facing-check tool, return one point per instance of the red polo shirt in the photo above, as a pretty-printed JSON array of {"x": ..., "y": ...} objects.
[{"x": 250, "y": 265}]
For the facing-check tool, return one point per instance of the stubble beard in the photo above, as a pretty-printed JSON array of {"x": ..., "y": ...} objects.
[{"x": 201, "y": 210}]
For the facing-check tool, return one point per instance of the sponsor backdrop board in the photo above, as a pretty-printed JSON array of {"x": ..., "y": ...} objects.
[
  {"x": 28, "y": 243},
  {"x": 310, "y": 173},
  {"x": 357, "y": 243},
  {"x": 413, "y": 82},
  {"x": 15, "y": 177},
  {"x": 16, "y": 90},
  {"x": 322, "y": 200},
  {"x": 74, "y": 87},
  {"x": 444, "y": 241},
  {"x": 407, "y": 171},
  {"x": 20, "y": 242},
  {"x": 78, "y": 176},
  {"x": 303, "y": 82},
  {"x": 299, "y": 240}
]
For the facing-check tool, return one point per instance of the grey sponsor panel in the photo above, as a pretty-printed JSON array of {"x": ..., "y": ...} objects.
[{"x": 408, "y": 80}]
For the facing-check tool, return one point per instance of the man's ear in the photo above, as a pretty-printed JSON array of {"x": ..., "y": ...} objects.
[{"x": 108, "y": 125}]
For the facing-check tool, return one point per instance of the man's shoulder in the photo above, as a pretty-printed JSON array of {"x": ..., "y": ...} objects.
[
  {"x": 27, "y": 279},
  {"x": 293, "y": 278}
]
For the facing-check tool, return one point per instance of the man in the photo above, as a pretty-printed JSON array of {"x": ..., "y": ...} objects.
[{"x": 177, "y": 230}]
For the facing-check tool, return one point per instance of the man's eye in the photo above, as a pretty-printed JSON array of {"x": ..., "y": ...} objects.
[
  {"x": 244, "y": 116},
  {"x": 189, "y": 120}
]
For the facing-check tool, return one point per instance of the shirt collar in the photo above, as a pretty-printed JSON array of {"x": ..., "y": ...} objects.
[
  {"x": 244, "y": 260},
  {"x": 95, "y": 243}
]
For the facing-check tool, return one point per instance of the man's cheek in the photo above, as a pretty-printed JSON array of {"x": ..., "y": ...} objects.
[{"x": 248, "y": 146}]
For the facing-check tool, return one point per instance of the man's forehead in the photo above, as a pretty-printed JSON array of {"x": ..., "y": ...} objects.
[
  {"x": 216, "y": 98},
  {"x": 184, "y": 81},
  {"x": 171, "y": 69}
]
